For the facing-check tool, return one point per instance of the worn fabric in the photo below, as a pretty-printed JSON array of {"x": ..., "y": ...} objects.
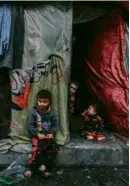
[
  {"x": 106, "y": 73},
  {"x": 46, "y": 123},
  {"x": 5, "y": 28},
  {"x": 6, "y": 145},
  {"x": 25, "y": 85}
]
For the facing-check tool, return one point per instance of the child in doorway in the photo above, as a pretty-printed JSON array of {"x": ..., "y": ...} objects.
[
  {"x": 94, "y": 124},
  {"x": 43, "y": 125},
  {"x": 73, "y": 90}
]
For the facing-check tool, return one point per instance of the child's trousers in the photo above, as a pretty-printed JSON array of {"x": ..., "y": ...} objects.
[
  {"x": 43, "y": 152},
  {"x": 98, "y": 128},
  {"x": 90, "y": 128}
]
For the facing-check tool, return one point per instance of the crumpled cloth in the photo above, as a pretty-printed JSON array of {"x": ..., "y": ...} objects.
[{"x": 106, "y": 73}]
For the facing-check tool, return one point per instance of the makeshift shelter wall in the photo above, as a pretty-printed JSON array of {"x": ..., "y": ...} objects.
[{"x": 46, "y": 65}]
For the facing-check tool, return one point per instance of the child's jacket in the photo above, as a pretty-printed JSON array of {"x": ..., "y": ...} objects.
[{"x": 46, "y": 123}]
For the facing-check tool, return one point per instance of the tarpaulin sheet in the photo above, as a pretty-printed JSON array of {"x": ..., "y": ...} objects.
[
  {"x": 106, "y": 72},
  {"x": 48, "y": 30},
  {"x": 87, "y": 11}
]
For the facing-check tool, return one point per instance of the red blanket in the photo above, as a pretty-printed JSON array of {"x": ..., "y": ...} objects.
[{"x": 106, "y": 74}]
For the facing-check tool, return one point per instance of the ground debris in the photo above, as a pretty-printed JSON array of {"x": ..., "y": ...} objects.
[
  {"x": 125, "y": 181},
  {"x": 59, "y": 172}
]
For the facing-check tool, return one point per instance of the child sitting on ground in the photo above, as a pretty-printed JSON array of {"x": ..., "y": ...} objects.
[
  {"x": 43, "y": 125},
  {"x": 94, "y": 124}
]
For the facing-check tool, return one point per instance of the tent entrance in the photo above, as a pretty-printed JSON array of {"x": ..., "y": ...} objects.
[
  {"x": 82, "y": 42},
  {"x": 100, "y": 65}
]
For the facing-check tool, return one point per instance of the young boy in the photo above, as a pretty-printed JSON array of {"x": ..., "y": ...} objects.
[
  {"x": 94, "y": 124},
  {"x": 73, "y": 90},
  {"x": 43, "y": 125}
]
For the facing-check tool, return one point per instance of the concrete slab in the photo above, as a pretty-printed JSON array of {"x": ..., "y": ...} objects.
[{"x": 78, "y": 153}]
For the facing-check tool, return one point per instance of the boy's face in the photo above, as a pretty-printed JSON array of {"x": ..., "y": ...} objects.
[
  {"x": 91, "y": 110},
  {"x": 73, "y": 88},
  {"x": 43, "y": 104}
]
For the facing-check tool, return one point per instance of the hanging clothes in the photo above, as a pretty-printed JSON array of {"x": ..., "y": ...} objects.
[
  {"x": 11, "y": 52},
  {"x": 5, "y": 29},
  {"x": 12, "y": 36}
]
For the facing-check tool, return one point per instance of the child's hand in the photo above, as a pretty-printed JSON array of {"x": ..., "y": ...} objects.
[
  {"x": 84, "y": 113},
  {"x": 50, "y": 136},
  {"x": 41, "y": 136}
]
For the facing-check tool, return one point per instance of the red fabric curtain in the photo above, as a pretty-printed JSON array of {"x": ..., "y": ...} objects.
[
  {"x": 124, "y": 4},
  {"x": 105, "y": 73}
]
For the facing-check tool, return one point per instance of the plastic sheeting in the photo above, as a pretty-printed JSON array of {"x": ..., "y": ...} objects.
[
  {"x": 46, "y": 64},
  {"x": 106, "y": 73},
  {"x": 87, "y": 11},
  {"x": 14, "y": 173},
  {"x": 48, "y": 29}
]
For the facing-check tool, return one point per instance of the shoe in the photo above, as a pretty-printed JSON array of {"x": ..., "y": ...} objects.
[
  {"x": 42, "y": 168},
  {"x": 100, "y": 137},
  {"x": 90, "y": 136}
]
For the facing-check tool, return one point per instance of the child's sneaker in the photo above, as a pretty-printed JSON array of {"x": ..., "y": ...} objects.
[
  {"x": 100, "y": 137},
  {"x": 42, "y": 168},
  {"x": 91, "y": 135}
]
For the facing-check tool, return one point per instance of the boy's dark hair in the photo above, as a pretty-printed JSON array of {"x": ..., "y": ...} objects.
[
  {"x": 75, "y": 83},
  {"x": 44, "y": 94}
]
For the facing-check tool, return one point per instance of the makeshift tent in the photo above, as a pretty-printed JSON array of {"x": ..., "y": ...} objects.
[{"x": 100, "y": 59}]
